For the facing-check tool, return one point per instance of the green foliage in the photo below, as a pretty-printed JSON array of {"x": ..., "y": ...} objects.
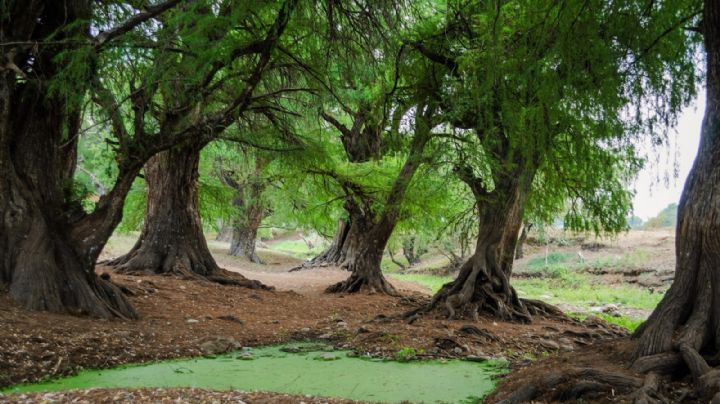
[
  {"x": 666, "y": 218},
  {"x": 406, "y": 354}
]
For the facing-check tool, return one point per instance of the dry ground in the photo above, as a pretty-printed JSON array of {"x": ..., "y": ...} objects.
[{"x": 177, "y": 316}]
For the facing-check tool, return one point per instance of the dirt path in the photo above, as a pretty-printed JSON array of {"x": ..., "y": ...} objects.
[{"x": 274, "y": 271}]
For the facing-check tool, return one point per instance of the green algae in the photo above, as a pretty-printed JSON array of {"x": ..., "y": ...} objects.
[{"x": 299, "y": 372}]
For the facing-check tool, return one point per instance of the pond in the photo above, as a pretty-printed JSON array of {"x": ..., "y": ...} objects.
[{"x": 306, "y": 369}]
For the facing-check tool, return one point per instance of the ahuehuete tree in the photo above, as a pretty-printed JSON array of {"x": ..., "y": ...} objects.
[
  {"x": 208, "y": 90},
  {"x": 362, "y": 141},
  {"x": 681, "y": 335},
  {"x": 542, "y": 85},
  {"x": 248, "y": 181},
  {"x": 377, "y": 191},
  {"x": 52, "y": 64},
  {"x": 356, "y": 104},
  {"x": 685, "y": 323},
  {"x": 48, "y": 244}
]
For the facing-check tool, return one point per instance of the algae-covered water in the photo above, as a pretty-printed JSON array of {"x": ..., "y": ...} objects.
[{"x": 313, "y": 371}]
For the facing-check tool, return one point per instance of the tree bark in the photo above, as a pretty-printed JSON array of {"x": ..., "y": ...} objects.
[
  {"x": 336, "y": 253},
  {"x": 48, "y": 244},
  {"x": 244, "y": 235},
  {"x": 172, "y": 240},
  {"x": 519, "y": 252},
  {"x": 365, "y": 264},
  {"x": 412, "y": 251},
  {"x": 374, "y": 232},
  {"x": 687, "y": 318},
  {"x": 483, "y": 284}
]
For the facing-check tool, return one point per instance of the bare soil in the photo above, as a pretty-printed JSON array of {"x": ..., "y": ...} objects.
[
  {"x": 173, "y": 396},
  {"x": 177, "y": 316}
]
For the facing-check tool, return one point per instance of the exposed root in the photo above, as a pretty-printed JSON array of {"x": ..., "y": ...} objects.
[
  {"x": 225, "y": 277},
  {"x": 649, "y": 393},
  {"x": 356, "y": 283},
  {"x": 573, "y": 385},
  {"x": 664, "y": 363}
]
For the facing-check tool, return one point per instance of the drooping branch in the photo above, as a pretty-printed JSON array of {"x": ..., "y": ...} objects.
[{"x": 132, "y": 22}]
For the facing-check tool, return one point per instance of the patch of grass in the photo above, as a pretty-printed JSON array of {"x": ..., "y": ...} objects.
[
  {"x": 296, "y": 248},
  {"x": 569, "y": 288},
  {"x": 540, "y": 262},
  {"x": 631, "y": 324},
  {"x": 632, "y": 259},
  {"x": 406, "y": 354},
  {"x": 626, "y": 322},
  {"x": 586, "y": 294}
]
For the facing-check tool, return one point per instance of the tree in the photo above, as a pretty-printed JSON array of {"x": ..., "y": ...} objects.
[
  {"x": 249, "y": 206},
  {"x": 172, "y": 240},
  {"x": 684, "y": 324},
  {"x": 48, "y": 243},
  {"x": 545, "y": 89}
]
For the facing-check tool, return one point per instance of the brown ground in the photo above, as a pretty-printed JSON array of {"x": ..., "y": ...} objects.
[
  {"x": 177, "y": 316},
  {"x": 610, "y": 357},
  {"x": 164, "y": 396}
]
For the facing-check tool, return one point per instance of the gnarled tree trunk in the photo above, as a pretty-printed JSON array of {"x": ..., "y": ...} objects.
[
  {"x": 519, "y": 251},
  {"x": 346, "y": 243},
  {"x": 244, "y": 233},
  {"x": 483, "y": 284},
  {"x": 249, "y": 213},
  {"x": 365, "y": 263},
  {"x": 225, "y": 233},
  {"x": 687, "y": 320},
  {"x": 373, "y": 233},
  {"x": 412, "y": 251},
  {"x": 48, "y": 244},
  {"x": 172, "y": 240}
]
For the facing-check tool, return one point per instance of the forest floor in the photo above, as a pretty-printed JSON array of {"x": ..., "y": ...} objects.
[{"x": 183, "y": 318}]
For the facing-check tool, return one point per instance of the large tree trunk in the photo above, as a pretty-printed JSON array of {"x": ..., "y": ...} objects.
[
  {"x": 244, "y": 233},
  {"x": 483, "y": 284},
  {"x": 48, "y": 244},
  {"x": 412, "y": 250},
  {"x": 374, "y": 233},
  {"x": 225, "y": 233},
  {"x": 250, "y": 210},
  {"x": 172, "y": 240},
  {"x": 345, "y": 245},
  {"x": 365, "y": 264},
  {"x": 687, "y": 320}
]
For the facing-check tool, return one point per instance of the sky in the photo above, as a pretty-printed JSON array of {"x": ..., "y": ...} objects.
[{"x": 656, "y": 185}]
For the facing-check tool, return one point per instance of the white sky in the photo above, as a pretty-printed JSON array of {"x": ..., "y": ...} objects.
[{"x": 656, "y": 185}]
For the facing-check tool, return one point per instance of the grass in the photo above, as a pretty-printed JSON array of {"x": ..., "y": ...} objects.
[
  {"x": 582, "y": 294},
  {"x": 553, "y": 259},
  {"x": 296, "y": 248},
  {"x": 628, "y": 323},
  {"x": 576, "y": 291},
  {"x": 632, "y": 259}
]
